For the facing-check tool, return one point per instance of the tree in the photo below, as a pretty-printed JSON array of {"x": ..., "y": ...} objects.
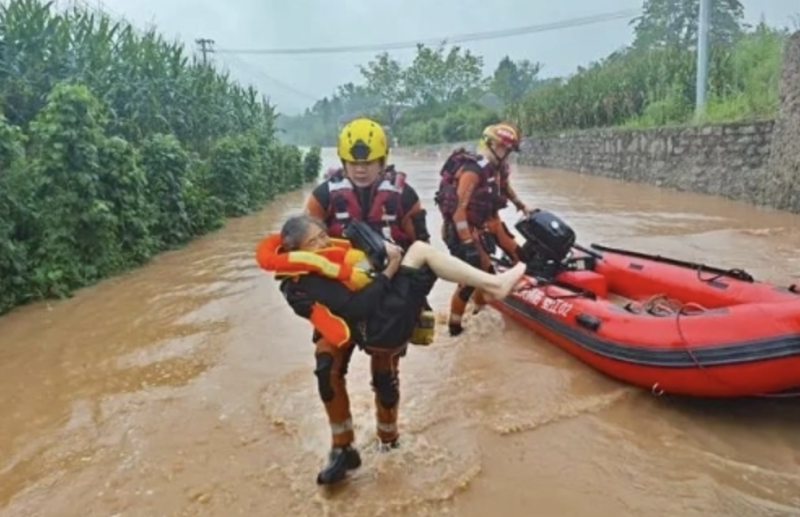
[
  {"x": 441, "y": 95},
  {"x": 436, "y": 77},
  {"x": 356, "y": 100},
  {"x": 673, "y": 23},
  {"x": 385, "y": 80},
  {"x": 512, "y": 80},
  {"x": 318, "y": 125}
]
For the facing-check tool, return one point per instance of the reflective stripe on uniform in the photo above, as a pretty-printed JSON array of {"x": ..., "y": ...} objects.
[
  {"x": 387, "y": 428},
  {"x": 342, "y": 427},
  {"x": 388, "y": 185}
]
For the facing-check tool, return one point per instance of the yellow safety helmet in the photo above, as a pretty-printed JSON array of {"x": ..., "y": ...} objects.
[
  {"x": 362, "y": 140},
  {"x": 505, "y": 133}
]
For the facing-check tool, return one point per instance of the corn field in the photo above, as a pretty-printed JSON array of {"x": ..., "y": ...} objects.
[
  {"x": 657, "y": 86},
  {"x": 116, "y": 145}
]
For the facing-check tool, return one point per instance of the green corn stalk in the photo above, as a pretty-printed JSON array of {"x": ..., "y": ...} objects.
[{"x": 631, "y": 85}]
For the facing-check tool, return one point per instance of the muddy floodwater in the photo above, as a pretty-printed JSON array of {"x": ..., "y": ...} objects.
[{"x": 185, "y": 388}]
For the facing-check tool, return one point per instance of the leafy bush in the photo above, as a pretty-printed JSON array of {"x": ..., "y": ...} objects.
[{"x": 312, "y": 164}]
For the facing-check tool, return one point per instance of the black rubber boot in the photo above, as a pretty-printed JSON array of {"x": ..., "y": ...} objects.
[
  {"x": 455, "y": 329},
  {"x": 340, "y": 460},
  {"x": 389, "y": 446}
]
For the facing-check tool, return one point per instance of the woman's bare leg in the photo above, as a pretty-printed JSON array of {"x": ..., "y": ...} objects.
[{"x": 455, "y": 270}]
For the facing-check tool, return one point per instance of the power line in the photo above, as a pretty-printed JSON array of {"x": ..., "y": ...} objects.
[
  {"x": 260, "y": 73},
  {"x": 459, "y": 38}
]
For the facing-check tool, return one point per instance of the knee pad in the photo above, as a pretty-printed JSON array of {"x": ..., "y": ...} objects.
[
  {"x": 465, "y": 293},
  {"x": 323, "y": 371},
  {"x": 387, "y": 388}
]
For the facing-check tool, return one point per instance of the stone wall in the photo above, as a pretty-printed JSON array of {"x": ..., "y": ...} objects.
[
  {"x": 756, "y": 162},
  {"x": 728, "y": 160},
  {"x": 782, "y": 188}
]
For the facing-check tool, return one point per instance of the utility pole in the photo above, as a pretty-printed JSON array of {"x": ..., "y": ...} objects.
[
  {"x": 206, "y": 47},
  {"x": 704, "y": 21}
]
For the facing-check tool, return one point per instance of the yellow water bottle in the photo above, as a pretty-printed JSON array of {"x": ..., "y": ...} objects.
[{"x": 425, "y": 330}]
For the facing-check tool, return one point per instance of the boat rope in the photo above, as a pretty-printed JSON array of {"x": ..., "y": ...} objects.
[
  {"x": 708, "y": 371},
  {"x": 661, "y": 305},
  {"x": 736, "y": 273}
]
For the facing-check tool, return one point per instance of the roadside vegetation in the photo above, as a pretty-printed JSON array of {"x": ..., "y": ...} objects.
[
  {"x": 443, "y": 95},
  {"x": 116, "y": 145}
]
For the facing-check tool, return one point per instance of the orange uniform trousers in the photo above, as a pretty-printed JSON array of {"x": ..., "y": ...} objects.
[{"x": 331, "y": 371}]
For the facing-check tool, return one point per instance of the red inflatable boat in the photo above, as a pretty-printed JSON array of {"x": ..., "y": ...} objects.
[{"x": 655, "y": 322}]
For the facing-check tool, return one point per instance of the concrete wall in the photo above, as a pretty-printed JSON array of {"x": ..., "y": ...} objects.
[{"x": 756, "y": 162}]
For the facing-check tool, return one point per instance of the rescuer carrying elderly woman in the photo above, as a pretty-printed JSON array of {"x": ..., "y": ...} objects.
[
  {"x": 366, "y": 188},
  {"x": 364, "y": 290}
]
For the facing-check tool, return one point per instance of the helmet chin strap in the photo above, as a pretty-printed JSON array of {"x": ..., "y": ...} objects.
[
  {"x": 491, "y": 149},
  {"x": 382, "y": 160}
]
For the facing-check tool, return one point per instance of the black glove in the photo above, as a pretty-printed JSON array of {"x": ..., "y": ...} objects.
[
  {"x": 489, "y": 242},
  {"x": 297, "y": 298},
  {"x": 369, "y": 241},
  {"x": 469, "y": 254}
]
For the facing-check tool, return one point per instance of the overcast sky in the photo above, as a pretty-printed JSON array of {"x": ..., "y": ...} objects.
[{"x": 294, "y": 82}]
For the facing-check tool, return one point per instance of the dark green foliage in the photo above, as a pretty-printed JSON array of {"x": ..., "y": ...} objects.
[{"x": 115, "y": 146}]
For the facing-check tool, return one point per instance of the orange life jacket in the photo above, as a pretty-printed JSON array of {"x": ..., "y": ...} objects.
[{"x": 340, "y": 261}]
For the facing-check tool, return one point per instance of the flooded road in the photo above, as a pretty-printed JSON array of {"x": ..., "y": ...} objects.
[{"x": 185, "y": 388}]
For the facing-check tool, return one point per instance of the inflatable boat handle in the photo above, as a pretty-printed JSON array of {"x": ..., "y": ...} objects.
[{"x": 588, "y": 251}]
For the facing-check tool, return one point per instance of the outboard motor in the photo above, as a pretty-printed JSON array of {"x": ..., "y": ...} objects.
[{"x": 548, "y": 242}]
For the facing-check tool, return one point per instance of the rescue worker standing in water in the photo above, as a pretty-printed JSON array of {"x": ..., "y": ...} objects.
[
  {"x": 368, "y": 189},
  {"x": 473, "y": 190}
]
